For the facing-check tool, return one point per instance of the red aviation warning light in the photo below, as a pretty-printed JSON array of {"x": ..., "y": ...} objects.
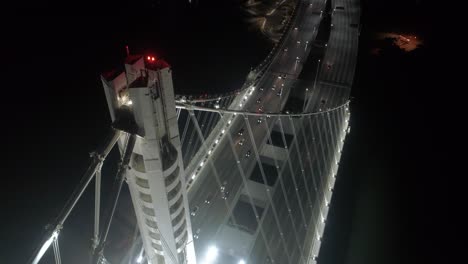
[{"x": 154, "y": 62}]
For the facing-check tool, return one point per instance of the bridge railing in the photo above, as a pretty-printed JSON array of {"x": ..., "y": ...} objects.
[
  {"x": 240, "y": 95},
  {"x": 286, "y": 163}
]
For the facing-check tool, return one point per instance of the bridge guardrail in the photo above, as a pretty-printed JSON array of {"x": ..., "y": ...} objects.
[{"x": 192, "y": 166}]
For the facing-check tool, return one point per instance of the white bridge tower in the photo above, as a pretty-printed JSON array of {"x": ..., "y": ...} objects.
[{"x": 142, "y": 94}]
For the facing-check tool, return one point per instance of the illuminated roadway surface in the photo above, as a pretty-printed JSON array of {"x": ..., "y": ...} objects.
[
  {"x": 210, "y": 217},
  {"x": 342, "y": 48}
]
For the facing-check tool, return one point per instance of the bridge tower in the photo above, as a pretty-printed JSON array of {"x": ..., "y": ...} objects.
[{"x": 141, "y": 96}]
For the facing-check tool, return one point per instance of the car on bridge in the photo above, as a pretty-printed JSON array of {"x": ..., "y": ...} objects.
[
  {"x": 194, "y": 211},
  {"x": 225, "y": 195},
  {"x": 208, "y": 199},
  {"x": 259, "y": 121},
  {"x": 259, "y": 100},
  {"x": 248, "y": 153},
  {"x": 197, "y": 233},
  {"x": 241, "y": 132},
  {"x": 223, "y": 186},
  {"x": 241, "y": 142}
]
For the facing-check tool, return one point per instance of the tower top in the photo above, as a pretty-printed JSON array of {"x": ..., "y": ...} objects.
[{"x": 151, "y": 62}]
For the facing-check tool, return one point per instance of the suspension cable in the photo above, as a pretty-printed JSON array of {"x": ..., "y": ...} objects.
[
  {"x": 249, "y": 196},
  {"x": 97, "y": 205},
  {"x": 212, "y": 166},
  {"x": 119, "y": 179},
  {"x": 97, "y": 159},
  {"x": 269, "y": 195},
  {"x": 55, "y": 246}
]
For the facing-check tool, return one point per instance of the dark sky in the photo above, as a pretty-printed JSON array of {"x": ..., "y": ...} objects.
[{"x": 55, "y": 112}]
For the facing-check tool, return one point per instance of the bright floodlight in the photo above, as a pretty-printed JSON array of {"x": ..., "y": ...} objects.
[
  {"x": 211, "y": 255},
  {"x": 139, "y": 259},
  {"x": 241, "y": 261}
]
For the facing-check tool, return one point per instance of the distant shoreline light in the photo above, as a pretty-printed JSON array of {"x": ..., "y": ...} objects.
[{"x": 406, "y": 42}]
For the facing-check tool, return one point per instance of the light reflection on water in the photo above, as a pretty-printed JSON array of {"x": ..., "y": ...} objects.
[{"x": 406, "y": 42}]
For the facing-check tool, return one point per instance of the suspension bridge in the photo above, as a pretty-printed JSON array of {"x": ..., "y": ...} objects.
[{"x": 242, "y": 177}]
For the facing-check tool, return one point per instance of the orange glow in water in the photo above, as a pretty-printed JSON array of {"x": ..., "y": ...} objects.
[{"x": 406, "y": 42}]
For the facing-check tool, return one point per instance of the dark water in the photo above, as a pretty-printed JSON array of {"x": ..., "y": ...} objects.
[{"x": 372, "y": 211}]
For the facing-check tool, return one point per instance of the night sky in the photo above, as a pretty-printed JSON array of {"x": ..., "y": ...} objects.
[{"x": 55, "y": 111}]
